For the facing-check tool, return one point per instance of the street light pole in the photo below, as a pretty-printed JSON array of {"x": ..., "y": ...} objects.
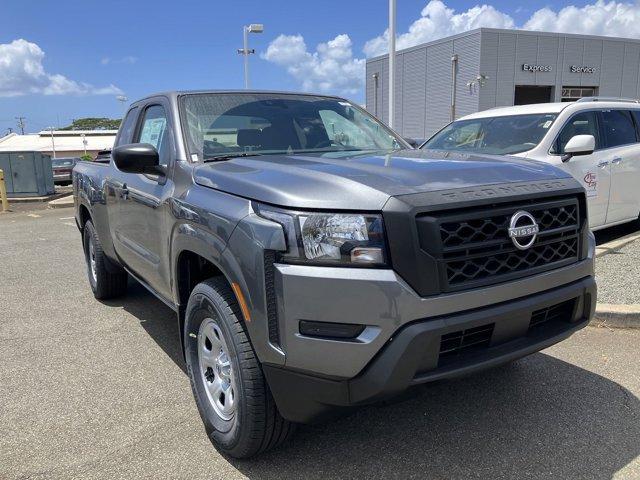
[
  {"x": 123, "y": 101},
  {"x": 245, "y": 50},
  {"x": 53, "y": 143},
  {"x": 392, "y": 60}
]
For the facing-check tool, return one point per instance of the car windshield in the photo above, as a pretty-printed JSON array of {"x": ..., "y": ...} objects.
[
  {"x": 493, "y": 135},
  {"x": 224, "y": 124},
  {"x": 62, "y": 162}
]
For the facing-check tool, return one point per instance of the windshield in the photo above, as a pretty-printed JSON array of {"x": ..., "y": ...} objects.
[
  {"x": 62, "y": 162},
  {"x": 493, "y": 135},
  {"x": 221, "y": 124}
]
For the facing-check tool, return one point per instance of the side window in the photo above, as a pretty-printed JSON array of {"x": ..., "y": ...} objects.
[
  {"x": 154, "y": 130},
  {"x": 618, "y": 128},
  {"x": 636, "y": 117},
  {"x": 585, "y": 123},
  {"x": 127, "y": 127}
]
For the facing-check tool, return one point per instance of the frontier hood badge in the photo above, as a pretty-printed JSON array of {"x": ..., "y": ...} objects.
[{"x": 523, "y": 229}]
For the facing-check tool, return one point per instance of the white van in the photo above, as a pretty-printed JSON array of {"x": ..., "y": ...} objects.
[{"x": 596, "y": 139}]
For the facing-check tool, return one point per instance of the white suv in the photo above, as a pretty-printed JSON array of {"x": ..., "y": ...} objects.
[{"x": 595, "y": 139}]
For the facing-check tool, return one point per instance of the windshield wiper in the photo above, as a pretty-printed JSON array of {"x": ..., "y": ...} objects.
[{"x": 229, "y": 155}]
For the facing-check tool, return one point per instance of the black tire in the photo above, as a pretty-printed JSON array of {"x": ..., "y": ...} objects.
[
  {"x": 256, "y": 425},
  {"x": 110, "y": 281}
]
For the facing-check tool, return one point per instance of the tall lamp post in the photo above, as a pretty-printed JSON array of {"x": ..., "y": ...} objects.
[
  {"x": 246, "y": 51},
  {"x": 392, "y": 60},
  {"x": 53, "y": 143},
  {"x": 123, "y": 101}
]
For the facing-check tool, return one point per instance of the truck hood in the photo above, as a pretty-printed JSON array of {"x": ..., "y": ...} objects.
[{"x": 362, "y": 181}]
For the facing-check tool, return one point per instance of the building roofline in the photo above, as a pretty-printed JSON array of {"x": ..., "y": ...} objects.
[
  {"x": 512, "y": 31},
  {"x": 468, "y": 33}
]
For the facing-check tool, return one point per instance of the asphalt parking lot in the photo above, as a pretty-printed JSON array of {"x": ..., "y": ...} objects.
[{"x": 98, "y": 390}]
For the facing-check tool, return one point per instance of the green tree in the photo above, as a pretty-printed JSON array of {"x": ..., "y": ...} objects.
[
  {"x": 86, "y": 157},
  {"x": 94, "y": 123}
]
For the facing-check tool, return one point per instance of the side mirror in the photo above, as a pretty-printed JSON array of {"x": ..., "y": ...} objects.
[
  {"x": 137, "y": 158},
  {"x": 412, "y": 141},
  {"x": 579, "y": 145}
]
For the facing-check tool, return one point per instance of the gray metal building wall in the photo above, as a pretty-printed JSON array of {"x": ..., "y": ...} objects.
[
  {"x": 423, "y": 74},
  {"x": 423, "y": 84}
]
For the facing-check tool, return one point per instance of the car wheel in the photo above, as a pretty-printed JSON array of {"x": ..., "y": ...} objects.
[
  {"x": 106, "y": 280},
  {"x": 232, "y": 395}
]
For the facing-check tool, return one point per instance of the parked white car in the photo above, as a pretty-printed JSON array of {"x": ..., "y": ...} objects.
[{"x": 595, "y": 139}]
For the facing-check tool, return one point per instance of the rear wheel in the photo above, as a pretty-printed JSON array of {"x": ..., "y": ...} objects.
[
  {"x": 232, "y": 395},
  {"x": 106, "y": 280}
]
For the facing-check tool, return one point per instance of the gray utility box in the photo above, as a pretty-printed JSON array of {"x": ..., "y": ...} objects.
[{"x": 27, "y": 174}]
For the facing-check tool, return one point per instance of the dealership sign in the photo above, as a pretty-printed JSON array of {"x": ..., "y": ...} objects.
[
  {"x": 578, "y": 69},
  {"x": 536, "y": 68}
]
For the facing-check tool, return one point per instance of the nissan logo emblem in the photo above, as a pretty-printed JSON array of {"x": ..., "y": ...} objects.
[{"x": 523, "y": 229}]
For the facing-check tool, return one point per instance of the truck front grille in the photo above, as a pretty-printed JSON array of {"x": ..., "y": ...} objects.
[{"x": 473, "y": 248}]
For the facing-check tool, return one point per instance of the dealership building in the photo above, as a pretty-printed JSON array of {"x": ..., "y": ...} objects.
[{"x": 487, "y": 68}]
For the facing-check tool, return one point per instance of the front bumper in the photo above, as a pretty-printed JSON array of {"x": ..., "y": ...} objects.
[
  {"x": 61, "y": 177},
  {"x": 413, "y": 355}
]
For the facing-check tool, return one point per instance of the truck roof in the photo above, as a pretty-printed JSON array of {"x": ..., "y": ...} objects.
[{"x": 177, "y": 93}]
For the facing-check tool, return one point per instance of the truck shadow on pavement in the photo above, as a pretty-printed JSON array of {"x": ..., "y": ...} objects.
[
  {"x": 158, "y": 320},
  {"x": 538, "y": 417}
]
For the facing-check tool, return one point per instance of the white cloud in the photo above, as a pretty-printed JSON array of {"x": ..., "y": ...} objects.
[
  {"x": 22, "y": 73},
  {"x": 438, "y": 21},
  {"x": 128, "y": 59},
  {"x": 331, "y": 68},
  {"x": 600, "y": 18}
]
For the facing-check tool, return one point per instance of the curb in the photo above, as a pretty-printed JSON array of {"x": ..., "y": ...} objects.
[
  {"x": 63, "y": 202},
  {"x": 616, "y": 244},
  {"x": 47, "y": 198},
  {"x": 616, "y": 316}
]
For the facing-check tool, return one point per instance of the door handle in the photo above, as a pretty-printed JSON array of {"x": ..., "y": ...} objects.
[
  {"x": 616, "y": 161},
  {"x": 603, "y": 164}
]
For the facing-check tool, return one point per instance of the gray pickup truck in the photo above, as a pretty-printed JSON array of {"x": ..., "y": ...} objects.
[{"x": 317, "y": 263}]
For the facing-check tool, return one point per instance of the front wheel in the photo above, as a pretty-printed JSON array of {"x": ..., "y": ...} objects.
[{"x": 232, "y": 395}]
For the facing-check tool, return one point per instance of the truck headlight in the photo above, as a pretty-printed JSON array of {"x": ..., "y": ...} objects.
[{"x": 345, "y": 239}]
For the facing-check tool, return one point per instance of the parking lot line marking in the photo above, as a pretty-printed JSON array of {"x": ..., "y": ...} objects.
[
  {"x": 33, "y": 215},
  {"x": 70, "y": 224},
  {"x": 67, "y": 218}
]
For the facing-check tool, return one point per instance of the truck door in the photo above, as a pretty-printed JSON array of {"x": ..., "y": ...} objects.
[
  {"x": 141, "y": 236},
  {"x": 623, "y": 153},
  {"x": 592, "y": 171}
]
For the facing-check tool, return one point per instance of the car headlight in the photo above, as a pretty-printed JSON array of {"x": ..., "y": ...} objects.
[{"x": 345, "y": 239}]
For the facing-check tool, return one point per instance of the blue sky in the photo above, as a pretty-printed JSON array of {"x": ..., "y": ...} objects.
[{"x": 143, "y": 46}]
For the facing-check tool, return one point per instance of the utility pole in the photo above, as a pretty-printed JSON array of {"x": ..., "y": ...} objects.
[
  {"x": 392, "y": 60},
  {"x": 246, "y": 51},
  {"x": 53, "y": 143},
  {"x": 21, "y": 123}
]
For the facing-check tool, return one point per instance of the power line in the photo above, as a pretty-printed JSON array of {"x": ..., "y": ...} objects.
[{"x": 21, "y": 123}]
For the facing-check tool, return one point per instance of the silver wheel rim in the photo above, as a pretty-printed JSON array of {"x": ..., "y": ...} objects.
[
  {"x": 215, "y": 369},
  {"x": 92, "y": 261}
]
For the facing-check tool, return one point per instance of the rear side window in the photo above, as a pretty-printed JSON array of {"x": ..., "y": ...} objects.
[
  {"x": 636, "y": 117},
  {"x": 127, "y": 127},
  {"x": 618, "y": 128},
  {"x": 585, "y": 123}
]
